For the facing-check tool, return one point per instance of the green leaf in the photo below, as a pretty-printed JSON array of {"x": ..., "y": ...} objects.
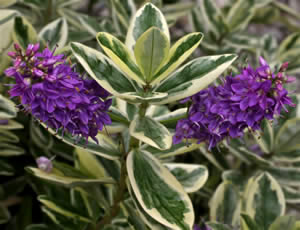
[
  {"x": 175, "y": 150},
  {"x": 218, "y": 226},
  {"x": 55, "y": 33},
  {"x": 146, "y": 17},
  {"x": 255, "y": 158},
  {"x": 284, "y": 222},
  {"x": 225, "y": 204},
  {"x": 7, "y": 108},
  {"x": 194, "y": 76},
  {"x": 191, "y": 176},
  {"x": 248, "y": 223},
  {"x": 102, "y": 70},
  {"x": 120, "y": 55},
  {"x": 213, "y": 17},
  {"x": 265, "y": 200},
  {"x": 151, "y": 51},
  {"x": 89, "y": 164},
  {"x": 61, "y": 208},
  {"x": 37, "y": 227},
  {"x": 287, "y": 138},
  {"x": 286, "y": 175},
  {"x": 106, "y": 147},
  {"x": 10, "y": 150},
  {"x": 134, "y": 217},
  {"x": 11, "y": 125},
  {"x": 57, "y": 176},
  {"x": 24, "y": 33},
  {"x": 289, "y": 47},
  {"x": 4, "y": 215},
  {"x": 152, "y": 223},
  {"x": 6, "y": 169},
  {"x": 287, "y": 157},
  {"x": 179, "y": 52},
  {"x": 158, "y": 192},
  {"x": 292, "y": 195},
  {"x": 240, "y": 14},
  {"x": 151, "y": 132}
]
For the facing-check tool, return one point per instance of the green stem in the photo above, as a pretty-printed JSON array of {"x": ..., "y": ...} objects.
[
  {"x": 286, "y": 9},
  {"x": 115, "y": 208}
]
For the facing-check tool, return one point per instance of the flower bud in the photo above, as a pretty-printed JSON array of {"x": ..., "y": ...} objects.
[{"x": 44, "y": 164}]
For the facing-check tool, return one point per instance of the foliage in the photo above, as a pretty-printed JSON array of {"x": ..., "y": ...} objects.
[{"x": 131, "y": 174}]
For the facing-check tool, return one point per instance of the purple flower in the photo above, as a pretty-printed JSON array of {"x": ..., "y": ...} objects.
[
  {"x": 204, "y": 227},
  {"x": 55, "y": 94},
  {"x": 44, "y": 164},
  {"x": 243, "y": 101}
]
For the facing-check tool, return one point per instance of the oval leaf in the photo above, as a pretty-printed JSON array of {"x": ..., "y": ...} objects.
[
  {"x": 191, "y": 176},
  {"x": 120, "y": 55},
  {"x": 179, "y": 52},
  {"x": 58, "y": 177},
  {"x": 146, "y": 17},
  {"x": 24, "y": 33},
  {"x": 225, "y": 204},
  {"x": 193, "y": 77},
  {"x": 151, "y": 51},
  {"x": 265, "y": 200},
  {"x": 151, "y": 132},
  {"x": 102, "y": 70},
  {"x": 158, "y": 192},
  {"x": 55, "y": 33}
]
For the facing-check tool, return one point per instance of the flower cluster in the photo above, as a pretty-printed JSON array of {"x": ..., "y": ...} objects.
[
  {"x": 55, "y": 94},
  {"x": 240, "y": 102}
]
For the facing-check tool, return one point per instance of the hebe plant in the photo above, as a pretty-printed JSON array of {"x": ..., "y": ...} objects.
[{"x": 140, "y": 78}]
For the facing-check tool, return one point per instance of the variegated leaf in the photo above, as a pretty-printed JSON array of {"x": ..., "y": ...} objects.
[
  {"x": 194, "y": 76},
  {"x": 62, "y": 209},
  {"x": 287, "y": 138},
  {"x": 225, "y": 204},
  {"x": 55, "y": 33},
  {"x": 255, "y": 158},
  {"x": 213, "y": 16},
  {"x": 89, "y": 164},
  {"x": 175, "y": 150},
  {"x": 191, "y": 176},
  {"x": 265, "y": 200},
  {"x": 158, "y": 192},
  {"x": 292, "y": 195},
  {"x": 58, "y": 177},
  {"x": 284, "y": 222},
  {"x": 129, "y": 110},
  {"x": 105, "y": 148},
  {"x": 240, "y": 14},
  {"x": 288, "y": 157},
  {"x": 10, "y": 150},
  {"x": 150, "y": 222},
  {"x": 145, "y": 18},
  {"x": 151, "y": 51},
  {"x": 289, "y": 47},
  {"x": 172, "y": 12},
  {"x": 11, "y": 125},
  {"x": 7, "y": 108},
  {"x": 102, "y": 70},
  {"x": 247, "y": 223},
  {"x": 23, "y": 33},
  {"x": 178, "y": 53},
  {"x": 7, "y": 136},
  {"x": 286, "y": 175},
  {"x": 151, "y": 132},
  {"x": 120, "y": 55},
  {"x": 6, "y": 28}
]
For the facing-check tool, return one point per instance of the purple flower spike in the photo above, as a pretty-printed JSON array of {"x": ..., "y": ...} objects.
[
  {"x": 241, "y": 102},
  {"x": 55, "y": 94},
  {"x": 44, "y": 164}
]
